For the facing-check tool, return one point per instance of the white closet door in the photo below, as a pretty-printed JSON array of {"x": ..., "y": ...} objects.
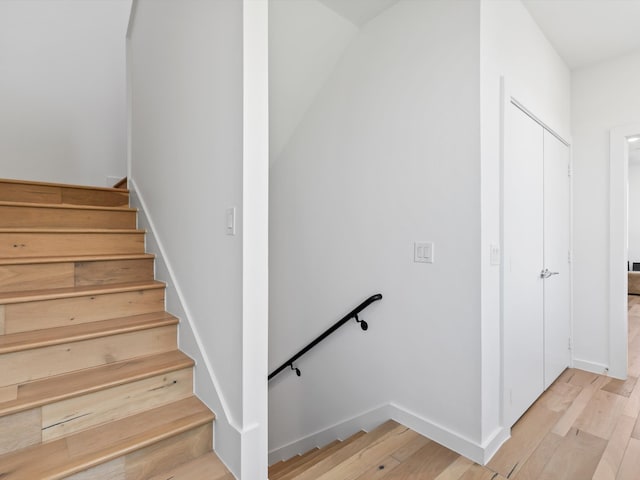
[
  {"x": 523, "y": 301},
  {"x": 557, "y": 285}
]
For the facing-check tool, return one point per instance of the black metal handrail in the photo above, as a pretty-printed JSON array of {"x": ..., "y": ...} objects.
[{"x": 352, "y": 314}]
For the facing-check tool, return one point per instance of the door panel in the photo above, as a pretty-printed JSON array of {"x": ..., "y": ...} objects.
[
  {"x": 523, "y": 334},
  {"x": 557, "y": 291}
]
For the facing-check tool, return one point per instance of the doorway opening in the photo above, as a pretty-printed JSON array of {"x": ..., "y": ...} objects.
[{"x": 619, "y": 247}]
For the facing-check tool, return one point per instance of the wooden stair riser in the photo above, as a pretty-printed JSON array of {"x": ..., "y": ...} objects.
[
  {"x": 26, "y": 216},
  {"x": 153, "y": 459},
  {"x": 28, "y": 316},
  {"x": 33, "y": 192},
  {"x": 22, "y": 366},
  {"x": 114, "y": 403},
  {"x": 29, "y": 395},
  {"x": 51, "y": 244},
  {"x": 41, "y": 276},
  {"x": 66, "y": 417},
  {"x": 146, "y": 432},
  {"x": 207, "y": 467}
]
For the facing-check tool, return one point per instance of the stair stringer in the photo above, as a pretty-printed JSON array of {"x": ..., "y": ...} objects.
[{"x": 227, "y": 432}]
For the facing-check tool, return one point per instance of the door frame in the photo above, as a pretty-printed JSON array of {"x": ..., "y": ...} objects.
[
  {"x": 508, "y": 98},
  {"x": 618, "y": 244}
]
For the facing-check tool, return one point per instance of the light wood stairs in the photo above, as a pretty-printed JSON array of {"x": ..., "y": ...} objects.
[
  {"x": 92, "y": 385},
  {"x": 378, "y": 454}
]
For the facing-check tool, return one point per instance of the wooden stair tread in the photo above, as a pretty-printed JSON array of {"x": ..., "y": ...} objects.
[
  {"x": 324, "y": 452},
  {"x": 291, "y": 463},
  {"x": 15, "y": 342},
  {"x": 345, "y": 452},
  {"x": 17, "y": 398},
  {"x": 105, "y": 231},
  {"x": 62, "y": 185},
  {"x": 68, "y": 206},
  {"x": 69, "y": 292},
  {"x": 205, "y": 467},
  {"x": 66, "y": 456},
  {"x": 298, "y": 462},
  {"x": 75, "y": 259},
  {"x": 374, "y": 453}
]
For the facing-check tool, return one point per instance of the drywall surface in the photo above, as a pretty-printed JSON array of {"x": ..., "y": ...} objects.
[
  {"x": 62, "y": 84},
  {"x": 604, "y": 96},
  {"x": 634, "y": 212},
  {"x": 388, "y": 154},
  {"x": 306, "y": 39},
  {"x": 513, "y": 47},
  {"x": 186, "y": 160}
]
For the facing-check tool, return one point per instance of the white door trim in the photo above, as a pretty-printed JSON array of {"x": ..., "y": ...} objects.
[{"x": 618, "y": 238}]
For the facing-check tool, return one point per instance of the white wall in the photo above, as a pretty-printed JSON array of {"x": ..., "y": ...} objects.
[
  {"x": 186, "y": 60},
  {"x": 634, "y": 212},
  {"x": 512, "y": 46},
  {"x": 387, "y": 154},
  {"x": 603, "y": 96},
  {"x": 305, "y": 44},
  {"x": 62, "y": 84}
]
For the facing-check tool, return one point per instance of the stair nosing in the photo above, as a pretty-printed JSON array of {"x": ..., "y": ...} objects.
[
  {"x": 26, "y": 296},
  {"x": 63, "y": 185},
  {"x": 98, "y": 329},
  {"x": 75, "y": 258},
  {"x": 68, "y": 206},
  {"x": 10, "y": 407},
  {"x": 74, "y": 230},
  {"x": 190, "y": 422},
  {"x": 124, "y": 446}
]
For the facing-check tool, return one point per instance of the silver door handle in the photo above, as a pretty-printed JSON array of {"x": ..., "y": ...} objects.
[{"x": 546, "y": 273}]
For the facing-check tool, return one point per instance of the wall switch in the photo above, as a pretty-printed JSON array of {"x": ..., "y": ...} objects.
[
  {"x": 423, "y": 252},
  {"x": 494, "y": 255},
  {"x": 231, "y": 221}
]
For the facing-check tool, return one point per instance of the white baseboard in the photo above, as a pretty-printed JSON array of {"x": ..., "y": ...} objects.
[
  {"x": 378, "y": 415},
  {"x": 494, "y": 442},
  {"x": 479, "y": 453},
  {"x": 341, "y": 430},
  {"x": 592, "y": 367}
]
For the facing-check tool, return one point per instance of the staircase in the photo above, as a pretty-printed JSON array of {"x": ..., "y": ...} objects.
[
  {"x": 363, "y": 456},
  {"x": 92, "y": 385}
]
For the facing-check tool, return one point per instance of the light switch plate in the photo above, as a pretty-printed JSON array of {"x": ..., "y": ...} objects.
[
  {"x": 230, "y": 219},
  {"x": 494, "y": 255},
  {"x": 423, "y": 252}
]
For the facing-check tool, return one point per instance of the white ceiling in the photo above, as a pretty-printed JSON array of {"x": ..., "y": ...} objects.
[
  {"x": 588, "y": 31},
  {"x": 582, "y": 31},
  {"x": 358, "y": 12}
]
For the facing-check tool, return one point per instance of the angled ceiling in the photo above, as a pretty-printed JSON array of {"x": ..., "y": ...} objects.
[
  {"x": 358, "y": 12},
  {"x": 588, "y": 31},
  {"x": 582, "y": 31}
]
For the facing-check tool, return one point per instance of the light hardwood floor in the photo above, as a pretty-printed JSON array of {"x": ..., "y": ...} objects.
[{"x": 585, "y": 426}]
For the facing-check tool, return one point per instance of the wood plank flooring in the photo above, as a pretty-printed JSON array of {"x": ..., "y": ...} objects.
[{"x": 585, "y": 426}]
